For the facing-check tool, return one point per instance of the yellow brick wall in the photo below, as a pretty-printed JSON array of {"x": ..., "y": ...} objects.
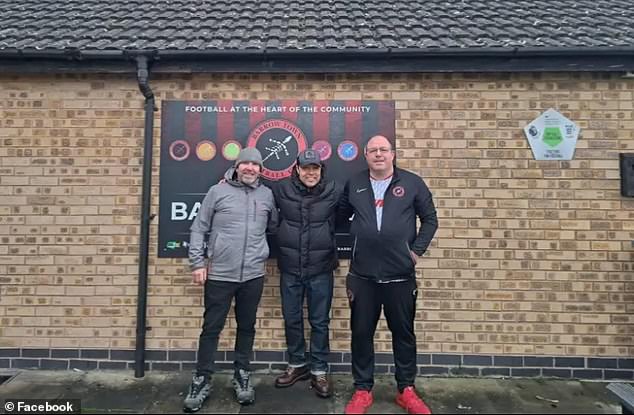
[{"x": 531, "y": 257}]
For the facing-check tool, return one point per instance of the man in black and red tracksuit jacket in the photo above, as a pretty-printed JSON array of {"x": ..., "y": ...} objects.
[{"x": 385, "y": 201}]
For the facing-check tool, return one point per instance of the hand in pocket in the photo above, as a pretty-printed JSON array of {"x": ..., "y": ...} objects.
[{"x": 414, "y": 257}]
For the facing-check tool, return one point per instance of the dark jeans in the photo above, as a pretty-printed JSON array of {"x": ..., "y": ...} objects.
[
  {"x": 398, "y": 300},
  {"x": 218, "y": 296},
  {"x": 318, "y": 292}
]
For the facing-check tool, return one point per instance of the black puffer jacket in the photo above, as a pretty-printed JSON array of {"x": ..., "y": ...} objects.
[{"x": 306, "y": 234}]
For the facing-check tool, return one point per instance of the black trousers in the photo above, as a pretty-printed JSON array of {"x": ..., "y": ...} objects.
[
  {"x": 218, "y": 296},
  {"x": 398, "y": 301}
]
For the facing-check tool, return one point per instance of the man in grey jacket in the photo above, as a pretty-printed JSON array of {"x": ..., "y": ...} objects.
[{"x": 237, "y": 212}]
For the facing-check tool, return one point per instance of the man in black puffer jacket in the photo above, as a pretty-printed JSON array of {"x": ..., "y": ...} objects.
[{"x": 307, "y": 257}]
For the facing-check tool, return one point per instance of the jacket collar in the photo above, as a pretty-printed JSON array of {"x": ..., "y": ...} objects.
[{"x": 395, "y": 175}]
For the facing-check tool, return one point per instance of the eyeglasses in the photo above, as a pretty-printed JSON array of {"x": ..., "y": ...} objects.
[{"x": 377, "y": 150}]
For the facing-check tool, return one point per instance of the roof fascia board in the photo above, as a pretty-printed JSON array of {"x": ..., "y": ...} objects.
[
  {"x": 313, "y": 60},
  {"x": 393, "y": 65}
]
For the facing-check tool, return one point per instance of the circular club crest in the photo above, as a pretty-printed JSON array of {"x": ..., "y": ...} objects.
[
  {"x": 179, "y": 150},
  {"x": 398, "y": 191},
  {"x": 324, "y": 149},
  {"x": 279, "y": 142},
  {"x": 206, "y": 150},
  {"x": 348, "y": 150},
  {"x": 231, "y": 150}
]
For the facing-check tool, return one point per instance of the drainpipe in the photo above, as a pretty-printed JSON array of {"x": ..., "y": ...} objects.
[{"x": 143, "y": 79}]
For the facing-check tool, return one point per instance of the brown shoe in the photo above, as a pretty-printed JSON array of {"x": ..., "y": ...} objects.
[
  {"x": 292, "y": 375},
  {"x": 321, "y": 385}
]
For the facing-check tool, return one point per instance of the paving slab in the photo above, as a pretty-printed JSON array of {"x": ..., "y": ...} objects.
[
  {"x": 297, "y": 399},
  {"x": 163, "y": 392}
]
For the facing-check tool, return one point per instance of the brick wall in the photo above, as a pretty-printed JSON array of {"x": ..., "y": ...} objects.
[{"x": 531, "y": 257}]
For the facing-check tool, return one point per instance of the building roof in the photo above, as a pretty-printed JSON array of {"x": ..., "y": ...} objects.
[{"x": 182, "y": 29}]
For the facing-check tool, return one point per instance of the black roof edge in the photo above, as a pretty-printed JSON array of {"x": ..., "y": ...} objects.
[
  {"x": 515, "y": 51},
  {"x": 185, "y": 54},
  {"x": 104, "y": 54},
  {"x": 396, "y": 52},
  {"x": 323, "y": 60},
  {"x": 32, "y": 53}
]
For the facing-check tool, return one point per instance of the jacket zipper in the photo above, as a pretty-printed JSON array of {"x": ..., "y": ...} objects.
[
  {"x": 301, "y": 232},
  {"x": 246, "y": 233},
  {"x": 409, "y": 253},
  {"x": 387, "y": 190},
  {"x": 354, "y": 247}
]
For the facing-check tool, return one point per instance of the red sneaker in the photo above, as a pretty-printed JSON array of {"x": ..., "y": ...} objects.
[
  {"x": 410, "y": 401},
  {"x": 361, "y": 401}
]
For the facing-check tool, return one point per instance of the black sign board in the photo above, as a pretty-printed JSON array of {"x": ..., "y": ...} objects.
[{"x": 201, "y": 139}]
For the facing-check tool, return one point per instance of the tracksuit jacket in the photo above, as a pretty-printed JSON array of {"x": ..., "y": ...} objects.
[{"x": 384, "y": 255}]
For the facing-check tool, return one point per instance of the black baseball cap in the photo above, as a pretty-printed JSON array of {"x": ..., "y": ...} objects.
[{"x": 307, "y": 157}]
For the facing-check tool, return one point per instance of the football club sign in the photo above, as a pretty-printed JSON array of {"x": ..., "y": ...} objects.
[{"x": 201, "y": 139}]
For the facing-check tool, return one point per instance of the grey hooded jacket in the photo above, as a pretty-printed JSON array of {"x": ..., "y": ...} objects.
[{"x": 238, "y": 216}]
